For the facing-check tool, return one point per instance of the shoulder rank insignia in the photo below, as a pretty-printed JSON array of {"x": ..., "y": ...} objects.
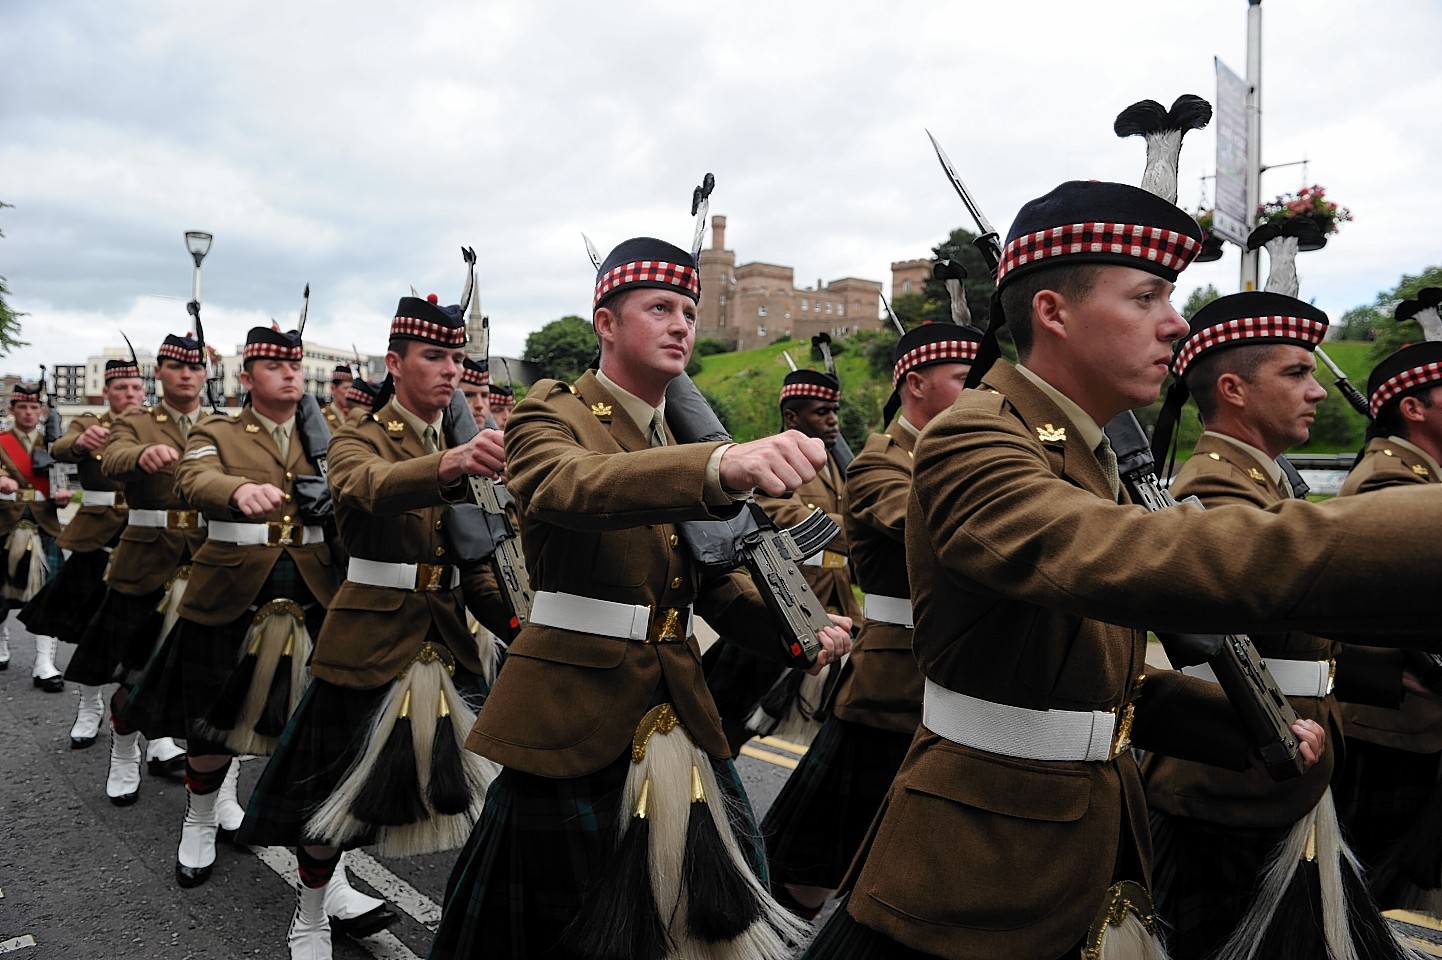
[
  {"x": 395, "y": 426},
  {"x": 161, "y": 418},
  {"x": 601, "y": 409},
  {"x": 1050, "y": 434},
  {"x": 563, "y": 385},
  {"x": 1420, "y": 470},
  {"x": 1256, "y": 475},
  {"x": 252, "y": 428}
]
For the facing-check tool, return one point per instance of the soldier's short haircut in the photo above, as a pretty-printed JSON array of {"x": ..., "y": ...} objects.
[
  {"x": 1074, "y": 281},
  {"x": 400, "y": 346},
  {"x": 1391, "y": 423},
  {"x": 1204, "y": 372}
]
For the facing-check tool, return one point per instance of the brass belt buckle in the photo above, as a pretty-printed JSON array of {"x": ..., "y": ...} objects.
[
  {"x": 278, "y": 534},
  {"x": 428, "y": 576},
  {"x": 1122, "y": 736},
  {"x": 120, "y": 498},
  {"x": 179, "y": 519},
  {"x": 27, "y": 495},
  {"x": 831, "y": 560},
  {"x": 666, "y": 626}
]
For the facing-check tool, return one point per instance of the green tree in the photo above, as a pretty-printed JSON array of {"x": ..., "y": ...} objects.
[
  {"x": 562, "y": 349},
  {"x": 1361, "y": 323},
  {"x": 710, "y": 346},
  {"x": 1198, "y": 299},
  {"x": 9, "y": 319},
  {"x": 1392, "y": 335}
]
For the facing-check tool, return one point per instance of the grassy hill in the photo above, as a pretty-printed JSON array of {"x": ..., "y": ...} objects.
[{"x": 745, "y": 386}]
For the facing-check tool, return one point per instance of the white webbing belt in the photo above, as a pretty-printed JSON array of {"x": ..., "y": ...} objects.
[
  {"x": 97, "y": 498},
  {"x": 829, "y": 559},
  {"x": 569, "y": 611},
  {"x": 1016, "y": 731},
  {"x": 159, "y": 518},
  {"x": 27, "y": 494},
  {"x": 895, "y": 610},
  {"x": 261, "y": 534},
  {"x": 1295, "y": 678},
  {"x": 399, "y": 576}
]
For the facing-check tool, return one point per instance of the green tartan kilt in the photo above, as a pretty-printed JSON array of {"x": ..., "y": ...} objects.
[
  {"x": 821, "y": 815},
  {"x": 64, "y": 606},
  {"x": 124, "y": 627},
  {"x": 523, "y": 875}
]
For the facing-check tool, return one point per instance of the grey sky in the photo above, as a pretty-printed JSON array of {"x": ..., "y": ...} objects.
[{"x": 358, "y": 146}]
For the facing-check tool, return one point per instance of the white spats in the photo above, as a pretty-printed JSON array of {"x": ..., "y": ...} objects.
[
  {"x": 122, "y": 784},
  {"x": 309, "y": 936},
  {"x": 228, "y": 811},
  {"x": 88, "y": 715}
]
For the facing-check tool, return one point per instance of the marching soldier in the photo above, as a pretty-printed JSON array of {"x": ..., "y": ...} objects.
[
  {"x": 1033, "y": 588},
  {"x": 475, "y": 384},
  {"x": 820, "y": 817},
  {"x": 1248, "y": 363},
  {"x": 72, "y": 598},
  {"x": 151, "y": 563},
  {"x": 337, "y": 412},
  {"x": 600, "y": 717},
  {"x": 372, "y": 752},
  {"x": 360, "y": 398},
  {"x": 1387, "y": 791},
  {"x": 752, "y": 694},
  {"x": 30, "y": 522},
  {"x": 501, "y": 399}
]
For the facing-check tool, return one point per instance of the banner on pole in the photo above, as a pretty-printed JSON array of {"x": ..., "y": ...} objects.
[{"x": 1232, "y": 214}]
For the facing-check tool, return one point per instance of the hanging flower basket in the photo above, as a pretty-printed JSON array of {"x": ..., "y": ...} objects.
[
  {"x": 1310, "y": 202},
  {"x": 1211, "y": 243}
]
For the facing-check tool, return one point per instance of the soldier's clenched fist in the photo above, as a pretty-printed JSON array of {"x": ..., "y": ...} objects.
[
  {"x": 775, "y": 465},
  {"x": 482, "y": 456}
]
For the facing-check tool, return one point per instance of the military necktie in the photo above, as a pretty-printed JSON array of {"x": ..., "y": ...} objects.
[
  {"x": 282, "y": 440},
  {"x": 183, "y": 422},
  {"x": 1108, "y": 459},
  {"x": 658, "y": 430},
  {"x": 429, "y": 438},
  {"x": 1286, "y": 484}
]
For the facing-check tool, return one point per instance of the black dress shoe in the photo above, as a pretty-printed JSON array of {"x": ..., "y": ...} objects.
[
  {"x": 53, "y": 684},
  {"x": 80, "y": 743},
  {"x": 189, "y": 877},
  {"x": 4, "y": 664},
  {"x": 125, "y": 799},
  {"x": 172, "y": 769},
  {"x": 372, "y": 921}
]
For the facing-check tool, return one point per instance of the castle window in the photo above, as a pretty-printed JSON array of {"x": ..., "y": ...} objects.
[
  {"x": 761, "y": 310},
  {"x": 906, "y": 286}
]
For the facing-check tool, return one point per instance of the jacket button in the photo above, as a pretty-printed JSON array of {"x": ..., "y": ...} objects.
[
  {"x": 438, "y": 524},
  {"x": 289, "y": 475},
  {"x": 287, "y": 498},
  {"x": 811, "y": 506},
  {"x": 676, "y": 583},
  {"x": 675, "y": 540},
  {"x": 440, "y": 551}
]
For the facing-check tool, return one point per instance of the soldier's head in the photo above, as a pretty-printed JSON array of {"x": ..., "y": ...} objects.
[
  {"x": 1248, "y": 361},
  {"x": 271, "y": 371},
  {"x": 123, "y": 386},
  {"x": 644, "y": 312},
  {"x": 476, "y": 385},
  {"x": 1404, "y": 392},
  {"x": 25, "y": 406},
  {"x": 929, "y": 368},
  {"x": 1086, "y": 278},
  {"x": 502, "y": 400},
  {"x": 425, "y": 355},
  {"x": 811, "y": 403},
  {"x": 340, "y": 379},
  {"x": 180, "y": 368}
]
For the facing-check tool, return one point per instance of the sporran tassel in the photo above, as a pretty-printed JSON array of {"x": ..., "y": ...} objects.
[
  {"x": 449, "y": 792},
  {"x": 276, "y": 710},
  {"x": 391, "y": 795},
  {"x": 720, "y": 904},
  {"x": 225, "y": 712},
  {"x": 262, "y": 691}
]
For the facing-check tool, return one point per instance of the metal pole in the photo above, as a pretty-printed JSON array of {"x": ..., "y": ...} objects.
[{"x": 1251, "y": 259}]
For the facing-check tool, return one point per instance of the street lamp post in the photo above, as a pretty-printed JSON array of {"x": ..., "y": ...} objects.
[
  {"x": 1251, "y": 259},
  {"x": 198, "y": 243}
]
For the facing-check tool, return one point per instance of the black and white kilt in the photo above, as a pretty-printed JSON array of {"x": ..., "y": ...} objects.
[
  {"x": 522, "y": 876},
  {"x": 822, "y": 813},
  {"x": 53, "y": 563},
  {"x": 325, "y": 734},
  {"x": 184, "y": 677},
  {"x": 123, "y": 630},
  {"x": 64, "y": 606}
]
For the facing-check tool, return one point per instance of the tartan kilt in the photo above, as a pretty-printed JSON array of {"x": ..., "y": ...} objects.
[
  {"x": 738, "y": 679},
  {"x": 1385, "y": 796},
  {"x": 324, "y": 736},
  {"x": 64, "y": 606},
  {"x": 842, "y": 938},
  {"x": 54, "y": 559},
  {"x": 125, "y": 628},
  {"x": 523, "y": 875},
  {"x": 184, "y": 678},
  {"x": 822, "y": 813}
]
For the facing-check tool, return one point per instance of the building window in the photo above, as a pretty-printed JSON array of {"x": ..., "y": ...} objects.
[
  {"x": 841, "y": 309},
  {"x": 761, "y": 310},
  {"x": 906, "y": 286},
  {"x": 828, "y": 308},
  {"x": 723, "y": 300},
  {"x": 761, "y": 330},
  {"x": 805, "y": 305}
]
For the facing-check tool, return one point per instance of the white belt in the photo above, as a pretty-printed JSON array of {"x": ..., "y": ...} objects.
[
  {"x": 895, "y": 610},
  {"x": 402, "y": 576},
  {"x": 569, "y": 611},
  {"x": 1026, "y": 734},
  {"x": 268, "y": 533},
  {"x": 97, "y": 498},
  {"x": 27, "y": 494},
  {"x": 167, "y": 519},
  {"x": 1295, "y": 678}
]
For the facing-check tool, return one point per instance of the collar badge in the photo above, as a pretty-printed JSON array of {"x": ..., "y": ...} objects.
[{"x": 1050, "y": 434}]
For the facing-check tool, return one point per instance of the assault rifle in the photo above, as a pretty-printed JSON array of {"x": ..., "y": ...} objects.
[
  {"x": 482, "y": 530},
  {"x": 312, "y": 494},
  {"x": 1241, "y": 671},
  {"x": 840, "y": 449},
  {"x": 752, "y": 539}
]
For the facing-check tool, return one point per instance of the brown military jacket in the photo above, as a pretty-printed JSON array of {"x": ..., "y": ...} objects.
[
  {"x": 390, "y": 506},
  {"x": 225, "y": 578},
  {"x": 1417, "y": 724},
  {"x": 43, "y": 512},
  {"x": 147, "y": 556},
  {"x": 1220, "y": 473},
  {"x": 831, "y": 584},
  {"x": 882, "y": 687},
  {"x": 93, "y": 526},
  {"x": 1032, "y": 588},
  {"x": 333, "y": 418},
  {"x": 598, "y": 508}
]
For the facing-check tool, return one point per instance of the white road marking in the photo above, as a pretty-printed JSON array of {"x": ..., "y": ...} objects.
[
  {"x": 17, "y": 943},
  {"x": 383, "y": 945},
  {"x": 425, "y": 910}
]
